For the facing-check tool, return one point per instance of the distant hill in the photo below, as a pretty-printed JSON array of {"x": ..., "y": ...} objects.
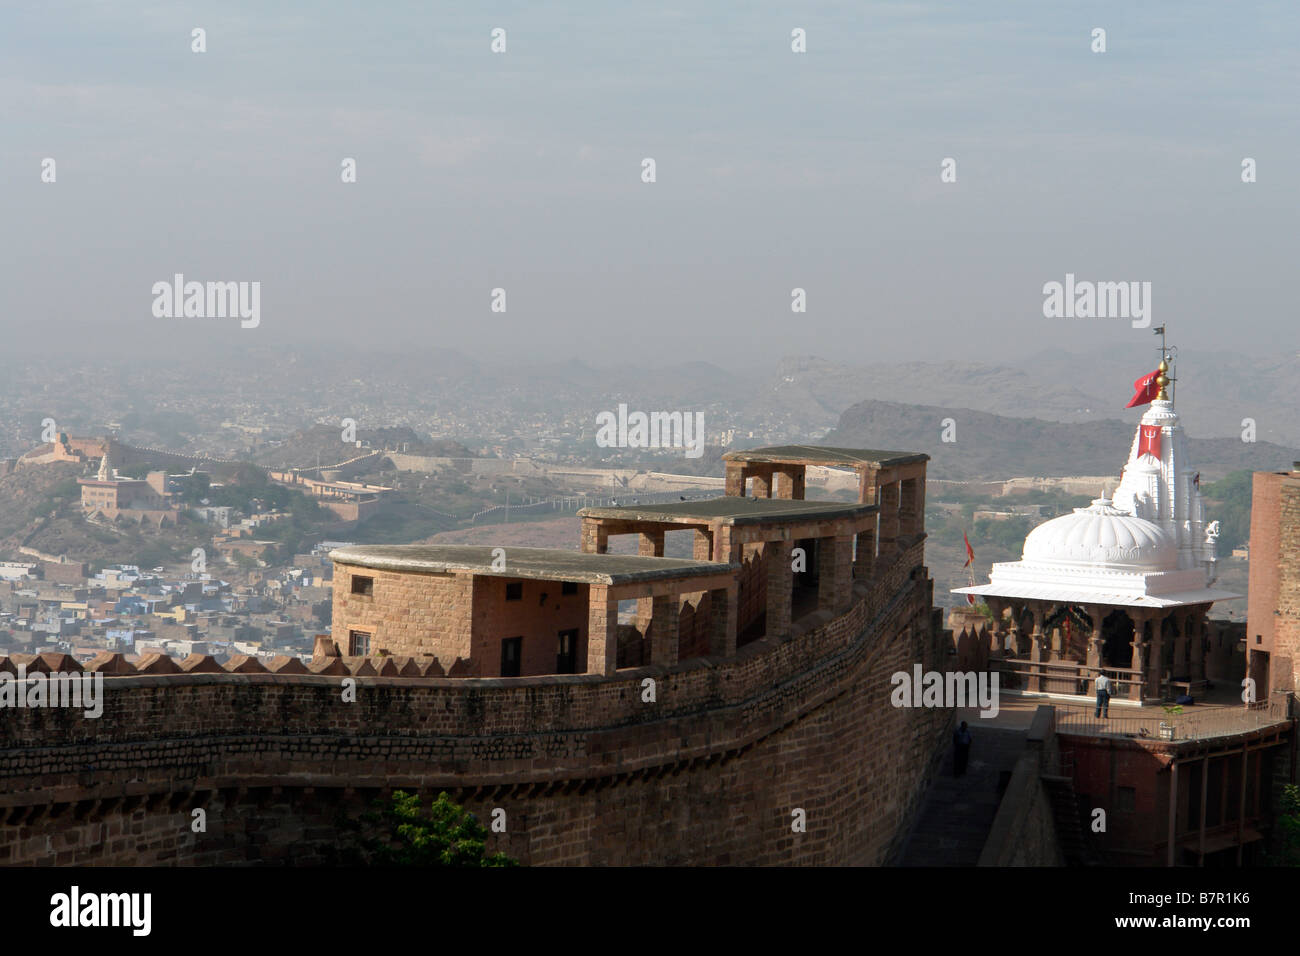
[
  {"x": 1214, "y": 393},
  {"x": 997, "y": 446}
]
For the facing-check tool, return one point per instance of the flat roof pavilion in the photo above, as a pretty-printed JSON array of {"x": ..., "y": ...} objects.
[
  {"x": 729, "y": 510},
  {"x": 548, "y": 564},
  {"x": 826, "y": 456}
]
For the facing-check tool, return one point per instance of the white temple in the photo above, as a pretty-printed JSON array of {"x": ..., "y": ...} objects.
[{"x": 1147, "y": 550}]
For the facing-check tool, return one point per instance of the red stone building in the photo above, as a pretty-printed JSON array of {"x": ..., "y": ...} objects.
[{"x": 1273, "y": 609}]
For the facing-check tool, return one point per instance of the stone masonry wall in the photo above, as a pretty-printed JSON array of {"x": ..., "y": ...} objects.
[{"x": 586, "y": 771}]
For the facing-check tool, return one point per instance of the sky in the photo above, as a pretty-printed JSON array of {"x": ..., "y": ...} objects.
[{"x": 775, "y": 170}]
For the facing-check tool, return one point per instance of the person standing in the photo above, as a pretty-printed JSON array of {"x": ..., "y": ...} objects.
[
  {"x": 960, "y": 750},
  {"x": 1103, "y": 695}
]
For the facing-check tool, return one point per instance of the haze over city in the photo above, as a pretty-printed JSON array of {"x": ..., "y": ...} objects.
[{"x": 774, "y": 172}]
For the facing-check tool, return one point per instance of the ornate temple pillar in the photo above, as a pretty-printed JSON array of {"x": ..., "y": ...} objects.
[
  {"x": 1039, "y": 610},
  {"x": 1139, "y": 619},
  {"x": 1156, "y": 659},
  {"x": 1017, "y": 610},
  {"x": 1096, "y": 614},
  {"x": 997, "y": 637},
  {"x": 1179, "y": 665}
]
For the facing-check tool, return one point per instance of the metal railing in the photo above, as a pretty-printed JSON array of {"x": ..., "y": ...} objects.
[
  {"x": 1068, "y": 677},
  {"x": 1215, "y": 722}
]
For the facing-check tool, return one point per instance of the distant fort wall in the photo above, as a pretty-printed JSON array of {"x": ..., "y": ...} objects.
[
  {"x": 711, "y": 772},
  {"x": 85, "y": 450}
]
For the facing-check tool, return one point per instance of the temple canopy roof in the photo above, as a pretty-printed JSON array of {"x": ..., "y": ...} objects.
[{"x": 1150, "y": 546}]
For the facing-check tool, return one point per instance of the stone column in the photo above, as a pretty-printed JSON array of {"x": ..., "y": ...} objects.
[
  {"x": 1197, "y": 635},
  {"x": 602, "y": 631},
  {"x": 997, "y": 636},
  {"x": 1180, "y": 668},
  {"x": 865, "y": 558},
  {"x": 790, "y": 482},
  {"x": 650, "y": 544},
  {"x": 702, "y": 548},
  {"x": 1039, "y": 610},
  {"x": 834, "y": 574},
  {"x": 664, "y": 629},
  {"x": 780, "y": 582},
  {"x": 735, "y": 485},
  {"x": 724, "y": 608},
  {"x": 1139, "y": 619},
  {"x": 867, "y": 492},
  {"x": 762, "y": 484},
  {"x": 1156, "y": 661},
  {"x": 1017, "y": 610},
  {"x": 594, "y": 538},
  {"x": 889, "y": 520},
  {"x": 909, "y": 505},
  {"x": 1096, "y": 614}
]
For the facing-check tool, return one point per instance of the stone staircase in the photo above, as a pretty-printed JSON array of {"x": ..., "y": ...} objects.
[
  {"x": 1066, "y": 814},
  {"x": 957, "y": 813}
]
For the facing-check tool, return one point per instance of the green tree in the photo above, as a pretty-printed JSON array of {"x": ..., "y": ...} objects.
[
  {"x": 1288, "y": 827},
  {"x": 399, "y": 833}
]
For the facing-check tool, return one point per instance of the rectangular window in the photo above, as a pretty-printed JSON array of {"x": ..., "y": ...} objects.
[
  {"x": 568, "y": 587},
  {"x": 362, "y": 585},
  {"x": 515, "y": 591},
  {"x": 358, "y": 643},
  {"x": 566, "y": 657},
  {"x": 1126, "y": 799},
  {"x": 511, "y": 650}
]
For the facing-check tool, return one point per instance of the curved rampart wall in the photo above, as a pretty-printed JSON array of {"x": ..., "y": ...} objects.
[{"x": 585, "y": 769}]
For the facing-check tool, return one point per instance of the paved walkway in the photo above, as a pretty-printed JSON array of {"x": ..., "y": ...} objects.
[{"x": 957, "y": 814}]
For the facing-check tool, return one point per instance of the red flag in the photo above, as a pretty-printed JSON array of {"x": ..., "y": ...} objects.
[
  {"x": 1145, "y": 390},
  {"x": 1149, "y": 440}
]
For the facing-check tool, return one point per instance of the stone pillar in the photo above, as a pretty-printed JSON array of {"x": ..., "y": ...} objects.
[
  {"x": 650, "y": 544},
  {"x": 1156, "y": 661},
  {"x": 790, "y": 482},
  {"x": 594, "y": 538},
  {"x": 702, "y": 548},
  {"x": 1180, "y": 668},
  {"x": 664, "y": 629},
  {"x": 867, "y": 492},
  {"x": 762, "y": 485},
  {"x": 602, "y": 631},
  {"x": 1197, "y": 631},
  {"x": 889, "y": 520},
  {"x": 1139, "y": 619},
  {"x": 865, "y": 558},
  {"x": 780, "y": 583},
  {"x": 834, "y": 573},
  {"x": 1017, "y": 610},
  {"x": 735, "y": 486},
  {"x": 1097, "y": 615},
  {"x": 997, "y": 641},
  {"x": 909, "y": 507},
  {"x": 1039, "y": 611},
  {"x": 724, "y": 608}
]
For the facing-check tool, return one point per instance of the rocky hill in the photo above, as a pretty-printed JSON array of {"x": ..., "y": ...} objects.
[{"x": 997, "y": 446}]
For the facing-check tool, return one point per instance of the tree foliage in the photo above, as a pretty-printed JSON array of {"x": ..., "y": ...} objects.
[{"x": 399, "y": 832}]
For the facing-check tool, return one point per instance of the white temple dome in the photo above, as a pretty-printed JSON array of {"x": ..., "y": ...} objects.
[{"x": 1102, "y": 536}]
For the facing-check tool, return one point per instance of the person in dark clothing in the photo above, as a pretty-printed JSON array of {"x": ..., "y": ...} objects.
[{"x": 960, "y": 750}]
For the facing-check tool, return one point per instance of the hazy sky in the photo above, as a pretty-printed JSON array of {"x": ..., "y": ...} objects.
[{"x": 522, "y": 170}]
